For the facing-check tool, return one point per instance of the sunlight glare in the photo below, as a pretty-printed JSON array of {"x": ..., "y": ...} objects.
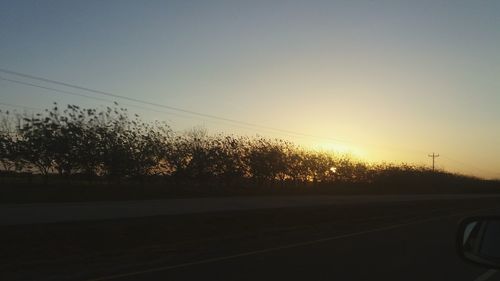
[{"x": 337, "y": 148}]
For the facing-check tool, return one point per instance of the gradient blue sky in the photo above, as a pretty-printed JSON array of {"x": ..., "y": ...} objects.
[{"x": 395, "y": 80}]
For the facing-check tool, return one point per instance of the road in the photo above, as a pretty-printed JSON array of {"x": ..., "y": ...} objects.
[
  {"x": 12, "y": 214},
  {"x": 411, "y": 240}
]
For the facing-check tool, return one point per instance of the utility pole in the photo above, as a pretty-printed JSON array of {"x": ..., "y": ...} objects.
[{"x": 434, "y": 156}]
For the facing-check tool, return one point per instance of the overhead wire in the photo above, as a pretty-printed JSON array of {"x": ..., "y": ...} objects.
[
  {"x": 211, "y": 116},
  {"x": 182, "y": 110},
  {"x": 128, "y": 104}
]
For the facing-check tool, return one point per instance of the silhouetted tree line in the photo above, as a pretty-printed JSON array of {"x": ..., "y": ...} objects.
[{"x": 108, "y": 143}]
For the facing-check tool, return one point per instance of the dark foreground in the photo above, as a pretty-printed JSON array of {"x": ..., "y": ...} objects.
[{"x": 375, "y": 241}]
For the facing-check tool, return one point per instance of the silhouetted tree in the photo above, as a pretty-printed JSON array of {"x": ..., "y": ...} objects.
[{"x": 109, "y": 143}]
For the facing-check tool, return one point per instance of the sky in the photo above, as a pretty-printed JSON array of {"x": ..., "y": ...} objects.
[{"x": 385, "y": 81}]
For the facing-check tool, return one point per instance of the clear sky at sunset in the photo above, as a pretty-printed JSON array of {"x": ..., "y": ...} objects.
[{"x": 383, "y": 80}]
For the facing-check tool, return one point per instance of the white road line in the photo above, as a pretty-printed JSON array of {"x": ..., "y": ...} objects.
[
  {"x": 295, "y": 245},
  {"x": 485, "y": 276}
]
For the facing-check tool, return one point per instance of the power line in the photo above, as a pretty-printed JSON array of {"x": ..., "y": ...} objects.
[
  {"x": 204, "y": 115},
  {"x": 52, "y": 89},
  {"x": 128, "y": 104},
  {"x": 233, "y": 122},
  {"x": 162, "y": 105},
  {"x": 90, "y": 97},
  {"x": 81, "y": 95},
  {"x": 189, "y": 112}
]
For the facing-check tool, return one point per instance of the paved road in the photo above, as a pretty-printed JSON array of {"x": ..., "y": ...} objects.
[
  {"x": 12, "y": 214},
  {"x": 411, "y": 240},
  {"x": 418, "y": 247},
  {"x": 412, "y": 252}
]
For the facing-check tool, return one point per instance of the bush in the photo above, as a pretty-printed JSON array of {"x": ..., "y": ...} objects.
[{"x": 109, "y": 144}]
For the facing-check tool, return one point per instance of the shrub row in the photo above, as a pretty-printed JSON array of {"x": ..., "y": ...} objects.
[{"x": 109, "y": 143}]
